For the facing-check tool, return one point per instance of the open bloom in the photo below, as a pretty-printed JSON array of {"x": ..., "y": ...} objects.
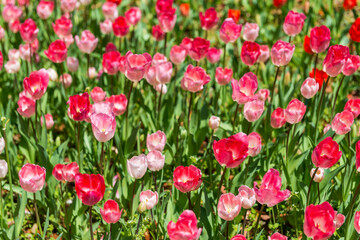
[
  {"x": 293, "y": 23},
  {"x": 120, "y": 27},
  {"x": 36, "y": 84},
  {"x": 136, "y": 65},
  {"x": 62, "y": 26},
  {"x": 246, "y": 196},
  {"x": 353, "y": 105},
  {"x": 155, "y": 160},
  {"x": 319, "y": 175},
  {"x": 103, "y": 126},
  {"x": 326, "y": 153},
  {"x": 254, "y": 144},
  {"x": 281, "y": 53},
  {"x": 150, "y": 198},
  {"x": 341, "y": 124},
  {"x": 57, "y": 51},
  {"x": 250, "y": 52},
  {"x": 253, "y": 110},
  {"x": 320, "y": 221},
  {"x": 270, "y": 192},
  {"x": 137, "y": 166},
  {"x": 49, "y": 122},
  {"x": 90, "y": 188},
  {"x": 68, "y": 5},
  {"x": 335, "y": 60},
  {"x": 133, "y": 15},
  {"x": 208, "y": 19},
  {"x": 26, "y": 106},
  {"x": 319, "y": 39},
  {"x": 187, "y": 179},
  {"x": 79, "y": 106},
  {"x": 44, "y": 9},
  {"x": 199, "y": 48},
  {"x": 309, "y": 88},
  {"x": 194, "y": 79},
  {"x": 295, "y": 111},
  {"x": 231, "y": 151},
  {"x": 244, "y": 89},
  {"x": 229, "y": 206},
  {"x": 111, "y": 213},
  {"x": 223, "y": 75},
  {"x": 229, "y": 31},
  {"x": 87, "y": 43},
  {"x": 28, "y": 31},
  {"x": 251, "y": 31},
  {"x": 156, "y": 141},
  {"x": 352, "y": 64},
  {"x": 119, "y": 103},
  {"x": 185, "y": 228},
  {"x": 32, "y": 177}
]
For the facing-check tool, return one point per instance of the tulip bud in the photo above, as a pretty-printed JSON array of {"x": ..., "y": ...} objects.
[
  {"x": 309, "y": 88},
  {"x": 214, "y": 122},
  {"x": 137, "y": 166},
  {"x": 3, "y": 168},
  {"x": 319, "y": 175},
  {"x": 53, "y": 76},
  {"x": 142, "y": 207}
]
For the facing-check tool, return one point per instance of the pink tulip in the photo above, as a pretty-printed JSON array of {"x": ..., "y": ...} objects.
[
  {"x": 133, "y": 15},
  {"x": 223, "y": 75},
  {"x": 111, "y": 213},
  {"x": 119, "y": 103},
  {"x": 167, "y": 20},
  {"x": 155, "y": 160},
  {"x": 136, "y": 65},
  {"x": 2, "y": 33},
  {"x": 14, "y": 26},
  {"x": 263, "y": 94},
  {"x": 264, "y": 53},
  {"x": 69, "y": 171},
  {"x": 244, "y": 89},
  {"x": 309, "y": 88},
  {"x": 326, "y": 153},
  {"x": 253, "y": 110},
  {"x": 32, "y": 177},
  {"x": 66, "y": 79},
  {"x": 44, "y": 9},
  {"x": 158, "y": 59},
  {"x": 209, "y": 19},
  {"x": 72, "y": 64},
  {"x": 68, "y": 6},
  {"x": 57, "y": 51},
  {"x": 341, "y": 124},
  {"x": 229, "y": 206},
  {"x": 163, "y": 72},
  {"x": 137, "y": 166},
  {"x": 28, "y": 31},
  {"x": 103, "y": 126},
  {"x": 37, "y": 83},
  {"x": 62, "y": 26},
  {"x": 178, "y": 54},
  {"x": 26, "y": 107},
  {"x": 238, "y": 237},
  {"x": 229, "y": 31},
  {"x": 68, "y": 40},
  {"x": 187, "y": 179},
  {"x": 357, "y": 221},
  {"x": 353, "y": 105},
  {"x": 110, "y": 10},
  {"x": 319, "y": 175},
  {"x": 24, "y": 50},
  {"x": 194, "y": 79},
  {"x": 185, "y": 227},
  {"x": 214, "y": 123},
  {"x": 270, "y": 192},
  {"x": 157, "y": 33},
  {"x": 335, "y": 60},
  {"x": 281, "y": 53},
  {"x": 246, "y": 196},
  {"x": 87, "y": 43},
  {"x": 326, "y": 128},
  {"x": 57, "y": 172},
  {"x": 187, "y": 43},
  {"x": 11, "y": 13},
  {"x": 213, "y": 55},
  {"x": 295, "y": 111},
  {"x": 199, "y": 48},
  {"x": 49, "y": 122},
  {"x": 156, "y": 141},
  {"x": 277, "y": 236},
  {"x": 14, "y": 54},
  {"x": 106, "y": 27},
  {"x": 250, "y": 52},
  {"x": 254, "y": 144},
  {"x": 150, "y": 198},
  {"x": 293, "y": 23},
  {"x": 97, "y": 94},
  {"x": 352, "y": 64},
  {"x": 12, "y": 66},
  {"x": 251, "y": 31},
  {"x": 319, "y": 39}
]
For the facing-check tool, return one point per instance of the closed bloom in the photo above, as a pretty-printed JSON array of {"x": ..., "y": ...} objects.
[
  {"x": 319, "y": 39},
  {"x": 136, "y": 65},
  {"x": 223, "y": 75},
  {"x": 157, "y": 33},
  {"x": 208, "y": 19},
  {"x": 44, "y": 9},
  {"x": 194, "y": 79},
  {"x": 111, "y": 62},
  {"x": 111, "y": 213},
  {"x": 90, "y": 188},
  {"x": 229, "y": 206},
  {"x": 120, "y": 27},
  {"x": 178, "y": 54},
  {"x": 24, "y": 50},
  {"x": 184, "y": 9},
  {"x": 307, "y": 47},
  {"x": 11, "y": 13},
  {"x": 254, "y": 144},
  {"x": 352, "y": 64},
  {"x": 320, "y": 221},
  {"x": 133, "y": 15},
  {"x": 250, "y": 52},
  {"x": 234, "y": 14},
  {"x": 28, "y": 31},
  {"x": 231, "y": 151},
  {"x": 14, "y": 54},
  {"x": 238, "y": 237},
  {"x": 119, "y": 103},
  {"x": 335, "y": 60},
  {"x": 353, "y": 105},
  {"x": 295, "y": 111},
  {"x": 49, "y": 122},
  {"x": 293, "y": 23},
  {"x": 349, "y": 4},
  {"x": 66, "y": 79},
  {"x": 326, "y": 153},
  {"x": 185, "y": 228},
  {"x": 319, "y": 175},
  {"x": 79, "y": 106},
  {"x": 263, "y": 94},
  {"x": 155, "y": 160},
  {"x": 187, "y": 43},
  {"x": 87, "y": 43},
  {"x": 32, "y": 177},
  {"x": 187, "y": 179},
  {"x": 103, "y": 126},
  {"x": 309, "y": 88},
  {"x": 97, "y": 94},
  {"x": 106, "y": 27},
  {"x": 320, "y": 76},
  {"x": 214, "y": 122},
  {"x": 281, "y": 53},
  {"x": 279, "y": 3},
  {"x": 264, "y": 53},
  {"x": 3, "y": 168},
  {"x": 69, "y": 171},
  {"x": 244, "y": 89},
  {"x": 62, "y": 26},
  {"x": 57, "y": 51},
  {"x": 270, "y": 192},
  {"x": 137, "y": 166},
  {"x": 341, "y": 124},
  {"x": 246, "y": 196},
  {"x": 167, "y": 20},
  {"x": 230, "y": 31},
  {"x": 163, "y": 72},
  {"x": 354, "y": 30},
  {"x": 213, "y": 55},
  {"x": 156, "y": 141},
  {"x": 277, "y": 236},
  {"x": 57, "y": 172},
  {"x": 26, "y": 106},
  {"x": 68, "y": 5},
  {"x": 199, "y": 48},
  {"x": 357, "y": 221},
  {"x": 110, "y": 11},
  {"x": 251, "y": 31},
  {"x": 72, "y": 64},
  {"x": 150, "y": 198},
  {"x": 253, "y": 110}
]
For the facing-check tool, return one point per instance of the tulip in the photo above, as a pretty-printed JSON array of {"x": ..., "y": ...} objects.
[
  {"x": 264, "y": 53},
  {"x": 97, "y": 94},
  {"x": 163, "y": 72},
  {"x": 36, "y": 84},
  {"x": 319, "y": 175},
  {"x": 62, "y": 26},
  {"x": 349, "y": 4},
  {"x": 26, "y": 107},
  {"x": 234, "y": 14},
  {"x": 69, "y": 171},
  {"x": 187, "y": 44},
  {"x": 103, "y": 126},
  {"x": 253, "y": 110},
  {"x": 57, "y": 51},
  {"x": 199, "y": 48},
  {"x": 353, "y": 106},
  {"x": 229, "y": 206},
  {"x": 270, "y": 192},
  {"x": 24, "y": 50},
  {"x": 309, "y": 88},
  {"x": 232, "y": 151},
  {"x": 28, "y": 31},
  {"x": 295, "y": 111},
  {"x": 68, "y": 6},
  {"x": 244, "y": 89},
  {"x": 111, "y": 62},
  {"x": 184, "y": 9},
  {"x": 68, "y": 40},
  {"x": 263, "y": 94},
  {"x": 167, "y": 20},
  {"x": 156, "y": 141},
  {"x": 251, "y": 31},
  {"x": 32, "y": 177},
  {"x": 326, "y": 153},
  {"x": 319, "y": 39},
  {"x": 341, "y": 124},
  {"x": 213, "y": 55},
  {"x": 49, "y": 122},
  {"x": 277, "y": 236},
  {"x": 250, "y": 52},
  {"x": 90, "y": 188},
  {"x": 44, "y": 9},
  {"x": 106, "y": 27},
  {"x": 279, "y": 3},
  {"x": 178, "y": 54},
  {"x": 187, "y": 179},
  {"x": 185, "y": 227},
  {"x": 254, "y": 144},
  {"x": 110, "y": 11},
  {"x": 354, "y": 31},
  {"x": 293, "y": 24},
  {"x": 214, "y": 122},
  {"x": 66, "y": 79},
  {"x": 238, "y": 237},
  {"x": 223, "y": 75},
  {"x": 335, "y": 60},
  {"x": 111, "y": 213},
  {"x": 163, "y": 6},
  {"x": 58, "y": 172},
  {"x": 120, "y": 27},
  {"x": 320, "y": 221},
  {"x": 307, "y": 47},
  {"x": 119, "y": 103},
  {"x": 281, "y": 53},
  {"x": 3, "y": 169},
  {"x": 11, "y": 13},
  {"x": 246, "y": 196},
  {"x": 150, "y": 198},
  {"x": 194, "y": 79},
  {"x": 158, "y": 59},
  {"x": 229, "y": 31},
  {"x": 137, "y": 166},
  {"x": 14, "y": 26},
  {"x": 53, "y": 76},
  {"x": 133, "y": 15},
  {"x": 155, "y": 160},
  {"x": 157, "y": 33},
  {"x": 209, "y": 19},
  {"x": 320, "y": 76},
  {"x": 79, "y": 106},
  {"x": 136, "y": 65},
  {"x": 12, "y": 66},
  {"x": 2, "y": 33},
  {"x": 87, "y": 43},
  {"x": 357, "y": 221},
  {"x": 14, "y": 54},
  {"x": 2, "y": 144},
  {"x": 352, "y": 64},
  {"x": 72, "y": 64}
]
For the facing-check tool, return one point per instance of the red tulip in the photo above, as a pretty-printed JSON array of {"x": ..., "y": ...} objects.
[
  {"x": 87, "y": 43},
  {"x": 319, "y": 39},
  {"x": 244, "y": 89},
  {"x": 353, "y": 105},
  {"x": 36, "y": 84},
  {"x": 232, "y": 151},
  {"x": 120, "y": 27},
  {"x": 28, "y": 31},
  {"x": 167, "y": 20},
  {"x": 133, "y": 15},
  {"x": 320, "y": 221},
  {"x": 69, "y": 171},
  {"x": 246, "y": 196},
  {"x": 357, "y": 221},
  {"x": 177, "y": 54},
  {"x": 238, "y": 237},
  {"x": 293, "y": 23},
  {"x": 234, "y": 14},
  {"x": 194, "y": 79},
  {"x": 186, "y": 43},
  {"x": 90, "y": 188},
  {"x": 49, "y": 122},
  {"x": 57, "y": 51},
  {"x": 150, "y": 198},
  {"x": 187, "y": 179},
  {"x": 264, "y": 53},
  {"x": 320, "y": 77},
  {"x": 32, "y": 177},
  {"x": 184, "y": 9},
  {"x": 281, "y": 53},
  {"x": 295, "y": 111},
  {"x": 228, "y": 207},
  {"x": 119, "y": 103},
  {"x": 136, "y": 65},
  {"x": 279, "y": 3},
  {"x": 278, "y": 118},
  {"x": 307, "y": 47},
  {"x": 341, "y": 124},
  {"x": 223, "y": 76},
  {"x": 277, "y": 236},
  {"x": 349, "y": 4},
  {"x": 199, "y": 48},
  {"x": 209, "y": 19},
  {"x": 157, "y": 33},
  {"x": 79, "y": 106},
  {"x": 250, "y": 52},
  {"x": 326, "y": 153},
  {"x": 111, "y": 213},
  {"x": 309, "y": 88},
  {"x": 26, "y": 106},
  {"x": 44, "y": 9},
  {"x": 185, "y": 228},
  {"x": 213, "y": 55},
  {"x": 354, "y": 30},
  {"x": 111, "y": 62},
  {"x": 253, "y": 110},
  {"x": 352, "y": 64},
  {"x": 58, "y": 171},
  {"x": 335, "y": 60},
  {"x": 117, "y": 2},
  {"x": 270, "y": 192},
  {"x": 163, "y": 6},
  {"x": 230, "y": 31},
  {"x": 62, "y": 26}
]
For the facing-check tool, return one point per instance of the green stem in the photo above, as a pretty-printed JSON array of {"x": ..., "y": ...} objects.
[
  {"x": 1, "y": 204},
  {"x": 222, "y": 179},
  {"x": 102, "y": 157},
  {"x": 227, "y": 231},
  {"x": 319, "y": 107},
  {"x": 189, "y": 110},
  {"x": 350, "y": 214},
  {"x": 138, "y": 224},
  {"x": 336, "y": 95},
  {"x": 90, "y": 222},
  {"x": 37, "y": 215},
  {"x": 235, "y": 117},
  {"x": 244, "y": 223},
  {"x": 78, "y": 147},
  {"x": 189, "y": 199},
  {"x": 315, "y": 62},
  {"x": 10, "y": 170},
  {"x": 224, "y": 58},
  {"x": 273, "y": 86},
  {"x": 258, "y": 220},
  {"x": 127, "y": 109},
  {"x": 311, "y": 181},
  {"x": 159, "y": 105},
  {"x": 132, "y": 197}
]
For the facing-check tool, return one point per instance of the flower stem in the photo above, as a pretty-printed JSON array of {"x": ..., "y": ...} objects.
[
  {"x": 244, "y": 223},
  {"x": 165, "y": 41},
  {"x": 78, "y": 147},
  {"x": 189, "y": 199},
  {"x": 336, "y": 95},
  {"x": 273, "y": 86},
  {"x": 227, "y": 231},
  {"x": 349, "y": 215},
  {"x": 37, "y": 215},
  {"x": 132, "y": 197},
  {"x": 189, "y": 110},
  {"x": 127, "y": 109},
  {"x": 235, "y": 117},
  {"x": 10, "y": 170},
  {"x": 90, "y": 222},
  {"x": 222, "y": 179},
  {"x": 311, "y": 181},
  {"x": 315, "y": 62},
  {"x": 159, "y": 105},
  {"x": 224, "y": 58},
  {"x": 138, "y": 224},
  {"x": 320, "y": 106},
  {"x": 258, "y": 219},
  {"x": 102, "y": 158}
]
